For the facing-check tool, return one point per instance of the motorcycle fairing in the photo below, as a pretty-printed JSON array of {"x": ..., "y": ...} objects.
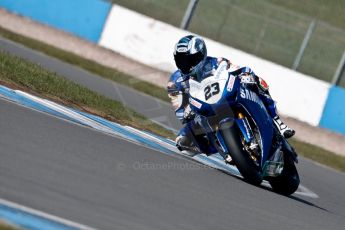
[{"x": 228, "y": 95}]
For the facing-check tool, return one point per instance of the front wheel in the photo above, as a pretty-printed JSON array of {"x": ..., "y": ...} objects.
[
  {"x": 244, "y": 163},
  {"x": 287, "y": 182}
]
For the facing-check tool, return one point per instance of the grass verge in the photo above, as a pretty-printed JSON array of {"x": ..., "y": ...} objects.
[
  {"x": 21, "y": 74},
  {"x": 319, "y": 155},
  {"x": 56, "y": 88},
  {"x": 88, "y": 65},
  {"x": 5, "y": 226}
]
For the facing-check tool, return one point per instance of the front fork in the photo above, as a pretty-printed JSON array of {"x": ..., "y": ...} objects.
[
  {"x": 216, "y": 138},
  {"x": 244, "y": 127}
]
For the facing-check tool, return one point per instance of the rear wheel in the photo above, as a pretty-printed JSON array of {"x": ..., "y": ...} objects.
[
  {"x": 288, "y": 182},
  {"x": 244, "y": 163}
]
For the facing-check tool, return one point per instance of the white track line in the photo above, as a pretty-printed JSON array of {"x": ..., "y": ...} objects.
[
  {"x": 45, "y": 215},
  {"x": 65, "y": 110}
]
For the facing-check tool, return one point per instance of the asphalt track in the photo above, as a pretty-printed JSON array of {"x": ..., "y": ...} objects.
[{"x": 108, "y": 183}]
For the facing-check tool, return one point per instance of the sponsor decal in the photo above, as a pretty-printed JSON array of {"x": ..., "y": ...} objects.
[
  {"x": 183, "y": 43},
  {"x": 242, "y": 93},
  {"x": 247, "y": 129},
  {"x": 231, "y": 83},
  {"x": 264, "y": 84},
  {"x": 182, "y": 49},
  {"x": 179, "y": 115},
  {"x": 246, "y": 94},
  {"x": 180, "y": 79},
  {"x": 247, "y": 79},
  {"x": 243, "y": 124},
  {"x": 195, "y": 103}
]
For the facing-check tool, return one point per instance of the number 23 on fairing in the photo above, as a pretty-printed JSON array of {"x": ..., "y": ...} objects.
[{"x": 209, "y": 90}]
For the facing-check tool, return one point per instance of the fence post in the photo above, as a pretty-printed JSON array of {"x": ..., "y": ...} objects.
[
  {"x": 304, "y": 44},
  {"x": 339, "y": 71},
  {"x": 189, "y": 13}
]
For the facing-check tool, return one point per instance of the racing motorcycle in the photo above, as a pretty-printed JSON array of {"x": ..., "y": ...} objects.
[{"x": 237, "y": 123}]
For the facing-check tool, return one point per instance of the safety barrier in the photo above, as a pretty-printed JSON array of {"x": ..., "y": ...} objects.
[
  {"x": 151, "y": 42},
  {"x": 84, "y": 18},
  {"x": 333, "y": 116}
]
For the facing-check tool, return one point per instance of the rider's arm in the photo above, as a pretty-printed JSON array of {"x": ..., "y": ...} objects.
[
  {"x": 178, "y": 93},
  {"x": 183, "y": 112},
  {"x": 249, "y": 77},
  {"x": 246, "y": 74}
]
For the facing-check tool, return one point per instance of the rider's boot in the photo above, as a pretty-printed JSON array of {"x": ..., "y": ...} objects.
[
  {"x": 228, "y": 159},
  {"x": 185, "y": 143},
  {"x": 284, "y": 130}
]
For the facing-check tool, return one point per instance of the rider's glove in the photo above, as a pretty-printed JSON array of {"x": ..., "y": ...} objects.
[
  {"x": 188, "y": 113},
  {"x": 219, "y": 60},
  {"x": 176, "y": 99}
]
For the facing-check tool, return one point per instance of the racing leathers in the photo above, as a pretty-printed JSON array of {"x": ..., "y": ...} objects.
[{"x": 192, "y": 136}]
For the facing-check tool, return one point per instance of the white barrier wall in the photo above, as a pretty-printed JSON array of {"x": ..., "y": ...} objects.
[{"x": 152, "y": 42}]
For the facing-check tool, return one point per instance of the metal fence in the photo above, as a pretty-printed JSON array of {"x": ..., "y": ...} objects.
[{"x": 294, "y": 40}]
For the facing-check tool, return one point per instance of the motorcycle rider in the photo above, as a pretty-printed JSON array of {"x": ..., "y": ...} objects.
[{"x": 191, "y": 59}]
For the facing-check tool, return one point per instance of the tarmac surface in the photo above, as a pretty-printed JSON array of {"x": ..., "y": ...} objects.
[{"x": 104, "y": 182}]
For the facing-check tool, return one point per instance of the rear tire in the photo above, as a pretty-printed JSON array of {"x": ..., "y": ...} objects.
[
  {"x": 288, "y": 182},
  {"x": 249, "y": 170}
]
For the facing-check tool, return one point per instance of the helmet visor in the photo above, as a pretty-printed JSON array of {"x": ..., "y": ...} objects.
[{"x": 186, "y": 62}]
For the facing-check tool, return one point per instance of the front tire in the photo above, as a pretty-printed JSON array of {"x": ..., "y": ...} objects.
[
  {"x": 244, "y": 163},
  {"x": 288, "y": 182}
]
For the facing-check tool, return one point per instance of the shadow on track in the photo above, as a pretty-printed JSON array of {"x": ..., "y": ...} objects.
[
  {"x": 265, "y": 187},
  {"x": 308, "y": 203}
]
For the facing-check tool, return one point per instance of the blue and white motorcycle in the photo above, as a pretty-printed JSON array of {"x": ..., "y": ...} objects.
[{"x": 237, "y": 123}]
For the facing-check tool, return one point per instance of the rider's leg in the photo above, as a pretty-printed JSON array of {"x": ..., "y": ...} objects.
[
  {"x": 270, "y": 105},
  {"x": 211, "y": 141},
  {"x": 184, "y": 139},
  {"x": 193, "y": 138}
]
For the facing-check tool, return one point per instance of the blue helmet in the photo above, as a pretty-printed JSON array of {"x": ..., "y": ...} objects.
[{"x": 189, "y": 54}]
